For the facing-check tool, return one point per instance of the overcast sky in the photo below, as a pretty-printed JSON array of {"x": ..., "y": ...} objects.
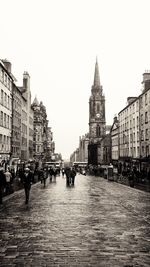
[{"x": 57, "y": 42}]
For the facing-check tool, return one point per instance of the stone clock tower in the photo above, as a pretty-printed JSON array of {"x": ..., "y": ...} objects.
[{"x": 97, "y": 123}]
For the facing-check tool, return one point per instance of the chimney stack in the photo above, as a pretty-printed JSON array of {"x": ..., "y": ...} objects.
[
  {"x": 7, "y": 65},
  {"x": 146, "y": 80}
]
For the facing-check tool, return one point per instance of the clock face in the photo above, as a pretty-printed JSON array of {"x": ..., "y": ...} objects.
[{"x": 98, "y": 115}]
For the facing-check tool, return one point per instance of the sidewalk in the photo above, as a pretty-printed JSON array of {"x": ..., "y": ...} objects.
[{"x": 141, "y": 186}]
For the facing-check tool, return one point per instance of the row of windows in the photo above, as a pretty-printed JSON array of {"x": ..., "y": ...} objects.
[
  {"x": 37, "y": 138},
  {"x": 135, "y": 153},
  {"x": 5, "y": 79},
  {"x": 146, "y": 134},
  {"x": 135, "y": 122},
  {"x": 5, "y": 100},
  {"x": 4, "y": 139},
  {"x": 144, "y": 119},
  {"x": 124, "y": 139},
  {"x": 144, "y": 101},
  {"x": 5, "y": 120},
  {"x": 129, "y": 111}
]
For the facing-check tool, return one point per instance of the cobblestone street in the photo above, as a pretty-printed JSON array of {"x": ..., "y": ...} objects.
[{"x": 94, "y": 223}]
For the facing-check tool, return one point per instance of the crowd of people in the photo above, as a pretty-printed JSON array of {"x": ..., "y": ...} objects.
[{"x": 26, "y": 177}]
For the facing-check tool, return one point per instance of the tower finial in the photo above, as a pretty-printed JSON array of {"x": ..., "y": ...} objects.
[
  {"x": 96, "y": 75},
  {"x": 96, "y": 60}
]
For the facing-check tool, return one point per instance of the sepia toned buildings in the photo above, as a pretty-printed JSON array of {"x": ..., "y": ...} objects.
[
  {"x": 21, "y": 137},
  {"x": 132, "y": 131},
  {"x": 114, "y": 141},
  {"x": 6, "y": 84},
  {"x": 43, "y": 145},
  {"x": 127, "y": 142},
  {"x": 81, "y": 153}
]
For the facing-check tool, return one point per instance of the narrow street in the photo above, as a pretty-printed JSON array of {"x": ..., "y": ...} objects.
[{"x": 95, "y": 223}]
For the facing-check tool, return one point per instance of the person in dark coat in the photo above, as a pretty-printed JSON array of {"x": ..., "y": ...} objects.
[
  {"x": 45, "y": 175},
  {"x": 2, "y": 184},
  {"x": 72, "y": 175},
  {"x": 131, "y": 178},
  {"x": 50, "y": 174},
  {"x": 27, "y": 179},
  {"x": 68, "y": 175}
]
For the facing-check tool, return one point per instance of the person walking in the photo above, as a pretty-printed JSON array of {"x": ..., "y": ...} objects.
[
  {"x": 63, "y": 172},
  {"x": 68, "y": 175},
  {"x": 72, "y": 175},
  {"x": 45, "y": 175},
  {"x": 27, "y": 179},
  {"x": 50, "y": 174},
  {"x": 8, "y": 177},
  {"x": 2, "y": 184}
]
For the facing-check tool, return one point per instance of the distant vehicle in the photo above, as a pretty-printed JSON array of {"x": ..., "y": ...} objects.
[
  {"x": 52, "y": 164},
  {"x": 80, "y": 164}
]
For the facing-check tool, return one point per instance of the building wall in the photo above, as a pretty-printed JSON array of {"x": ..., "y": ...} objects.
[
  {"x": 129, "y": 130},
  {"x": 29, "y": 117},
  {"x": 43, "y": 144},
  {"x": 5, "y": 112},
  {"x": 134, "y": 126},
  {"x": 114, "y": 132},
  {"x": 24, "y": 121},
  {"x": 16, "y": 122},
  {"x": 144, "y": 122}
]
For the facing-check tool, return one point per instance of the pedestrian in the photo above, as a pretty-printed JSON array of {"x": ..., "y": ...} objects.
[
  {"x": 54, "y": 173},
  {"x": 8, "y": 177},
  {"x": 50, "y": 174},
  {"x": 72, "y": 175},
  {"x": 27, "y": 179},
  {"x": 68, "y": 175},
  {"x": 40, "y": 174},
  {"x": 131, "y": 178},
  {"x": 2, "y": 184},
  {"x": 44, "y": 176},
  {"x": 63, "y": 172}
]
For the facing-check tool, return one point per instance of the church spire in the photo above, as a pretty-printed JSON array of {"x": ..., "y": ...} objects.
[{"x": 96, "y": 75}]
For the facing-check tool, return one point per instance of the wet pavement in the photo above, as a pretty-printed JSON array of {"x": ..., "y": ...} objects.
[{"x": 94, "y": 223}]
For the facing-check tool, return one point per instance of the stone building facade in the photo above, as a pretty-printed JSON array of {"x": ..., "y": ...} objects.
[
  {"x": 81, "y": 153},
  {"x": 16, "y": 124},
  {"x": 83, "y": 148},
  {"x": 144, "y": 123},
  {"x": 134, "y": 129},
  {"x": 114, "y": 140},
  {"x": 6, "y": 83},
  {"x": 26, "y": 120},
  {"x": 43, "y": 145},
  {"x": 50, "y": 144},
  {"x": 19, "y": 120}
]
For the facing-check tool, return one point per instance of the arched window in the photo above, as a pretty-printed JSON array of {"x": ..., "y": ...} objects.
[
  {"x": 98, "y": 131},
  {"x": 98, "y": 108}
]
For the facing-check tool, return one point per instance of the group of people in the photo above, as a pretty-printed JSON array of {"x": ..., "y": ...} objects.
[
  {"x": 26, "y": 177},
  {"x": 70, "y": 176}
]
